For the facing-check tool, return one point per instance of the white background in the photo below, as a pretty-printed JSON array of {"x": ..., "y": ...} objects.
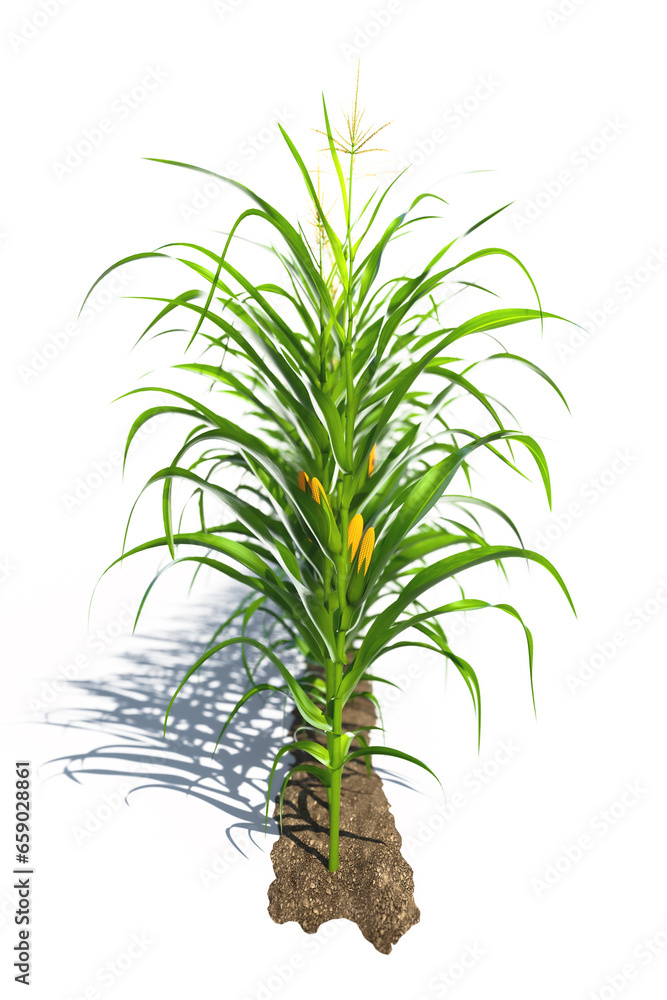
[{"x": 518, "y": 88}]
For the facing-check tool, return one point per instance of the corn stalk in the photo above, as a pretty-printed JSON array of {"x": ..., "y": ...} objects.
[{"x": 344, "y": 518}]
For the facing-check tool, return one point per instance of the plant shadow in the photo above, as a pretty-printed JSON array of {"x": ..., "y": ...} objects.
[{"x": 129, "y": 706}]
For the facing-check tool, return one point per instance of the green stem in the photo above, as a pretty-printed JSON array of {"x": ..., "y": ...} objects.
[
  {"x": 334, "y": 739},
  {"x": 337, "y": 770},
  {"x": 323, "y": 339},
  {"x": 349, "y": 380}
]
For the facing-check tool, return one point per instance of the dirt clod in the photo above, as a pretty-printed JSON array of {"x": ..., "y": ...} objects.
[{"x": 374, "y": 885}]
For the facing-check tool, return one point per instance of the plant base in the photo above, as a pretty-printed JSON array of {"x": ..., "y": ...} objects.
[{"x": 374, "y": 884}]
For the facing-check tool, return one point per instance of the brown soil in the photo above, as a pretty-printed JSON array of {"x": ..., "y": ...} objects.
[{"x": 373, "y": 886}]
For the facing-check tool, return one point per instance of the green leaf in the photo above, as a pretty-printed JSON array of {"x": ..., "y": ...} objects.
[
  {"x": 318, "y": 772},
  {"x": 272, "y": 216},
  {"x": 336, "y": 245},
  {"x": 418, "y": 499},
  {"x": 389, "y": 752},
  {"x": 380, "y": 631},
  {"x": 119, "y": 263},
  {"x": 305, "y": 706},
  {"x": 486, "y": 218},
  {"x": 528, "y": 364},
  {"x": 315, "y": 750},
  {"x": 331, "y": 418},
  {"x": 256, "y": 689}
]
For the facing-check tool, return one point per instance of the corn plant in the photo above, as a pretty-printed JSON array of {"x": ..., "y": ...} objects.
[{"x": 337, "y": 482}]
